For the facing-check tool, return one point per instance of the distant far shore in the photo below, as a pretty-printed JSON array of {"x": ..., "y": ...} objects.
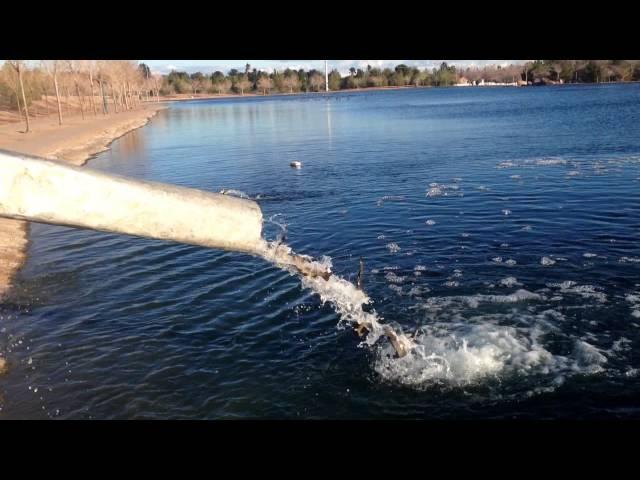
[
  {"x": 209, "y": 96},
  {"x": 212, "y": 96}
]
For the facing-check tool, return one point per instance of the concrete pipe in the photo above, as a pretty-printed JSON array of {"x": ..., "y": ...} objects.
[{"x": 48, "y": 191}]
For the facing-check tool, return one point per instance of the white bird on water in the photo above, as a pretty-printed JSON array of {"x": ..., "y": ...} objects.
[{"x": 296, "y": 164}]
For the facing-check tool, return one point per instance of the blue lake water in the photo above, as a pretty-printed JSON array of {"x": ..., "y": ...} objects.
[{"x": 499, "y": 226}]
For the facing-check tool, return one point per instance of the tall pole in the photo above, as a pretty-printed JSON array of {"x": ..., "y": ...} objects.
[{"x": 326, "y": 76}]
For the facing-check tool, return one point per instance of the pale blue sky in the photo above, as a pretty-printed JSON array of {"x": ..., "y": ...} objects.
[{"x": 209, "y": 66}]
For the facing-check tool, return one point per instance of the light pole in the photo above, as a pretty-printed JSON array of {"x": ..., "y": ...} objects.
[{"x": 326, "y": 76}]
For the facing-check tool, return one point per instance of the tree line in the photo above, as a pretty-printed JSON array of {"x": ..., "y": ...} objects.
[
  {"x": 250, "y": 80},
  {"x": 64, "y": 87},
  {"x": 93, "y": 87}
]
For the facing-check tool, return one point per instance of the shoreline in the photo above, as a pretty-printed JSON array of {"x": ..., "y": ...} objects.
[
  {"x": 187, "y": 97},
  {"x": 75, "y": 142},
  {"x": 184, "y": 97}
]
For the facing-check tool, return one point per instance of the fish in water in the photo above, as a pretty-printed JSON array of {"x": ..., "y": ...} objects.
[
  {"x": 296, "y": 164},
  {"x": 359, "y": 278}
]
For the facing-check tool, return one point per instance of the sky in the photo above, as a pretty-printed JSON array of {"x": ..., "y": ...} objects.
[{"x": 210, "y": 66}]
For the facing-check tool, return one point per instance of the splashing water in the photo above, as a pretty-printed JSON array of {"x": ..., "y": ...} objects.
[{"x": 345, "y": 297}]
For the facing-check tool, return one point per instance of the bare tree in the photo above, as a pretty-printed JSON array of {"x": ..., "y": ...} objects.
[
  {"x": 291, "y": 82},
  {"x": 76, "y": 75},
  {"x": 243, "y": 83},
  {"x": 157, "y": 83},
  {"x": 18, "y": 67},
  {"x": 100, "y": 67},
  {"x": 90, "y": 67},
  {"x": 265, "y": 84},
  {"x": 317, "y": 81}
]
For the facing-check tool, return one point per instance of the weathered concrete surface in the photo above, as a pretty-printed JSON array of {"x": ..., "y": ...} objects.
[{"x": 48, "y": 191}]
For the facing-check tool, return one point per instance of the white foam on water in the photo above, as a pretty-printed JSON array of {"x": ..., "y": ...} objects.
[
  {"x": 585, "y": 291},
  {"x": 419, "y": 268},
  {"x": 462, "y": 355},
  {"x": 632, "y": 298},
  {"x": 390, "y": 198},
  {"x": 434, "y": 192},
  {"x": 430, "y": 222},
  {"x": 507, "y": 164},
  {"x": 510, "y": 282},
  {"x": 629, "y": 260},
  {"x": 393, "y": 247},
  {"x": 393, "y": 278},
  {"x": 546, "y": 261},
  {"x": 506, "y": 211},
  {"x": 510, "y": 262},
  {"x": 455, "y": 349},
  {"x": 589, "y": 255},
  {"x": 497, "y": 259},
  {"x": 234, "y": 193},
  {"x": 515, "y": 177},
  {"x": 437, "y": 304},
  {"x": 438, "y": 190},
  {"x": 551, "y": 161},
  {"x": 418, "y": 291}
]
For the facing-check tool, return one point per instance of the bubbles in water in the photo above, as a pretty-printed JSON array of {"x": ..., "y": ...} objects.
[
  {"x": 390, "y": 198},
  {"x": 469, "y": 354},
  {"x": 437, "y": 190},
  {"x": 393, "y": 278},
  {"x": 510, "y": 282},
  {"x": 629, "y": 260},
  {"x": 393, "y": 247},
  {"x": 434, "y": 192}
]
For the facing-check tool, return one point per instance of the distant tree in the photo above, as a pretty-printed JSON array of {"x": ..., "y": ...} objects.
[
  {"x": 317, "y": 81},
  {"x": 76, "y": 73},
  {"x": 334, "y": 80},
  {"x": 145, "y": 71},
  {"x": 52, "y": 67},
  {"x": 242, "y": 84},
  {"x": 264, "y": 84},
  {"x": 291, "y": 82},
  {"x": 398, "y": 79},
  {"x": 403, "y": 70}
]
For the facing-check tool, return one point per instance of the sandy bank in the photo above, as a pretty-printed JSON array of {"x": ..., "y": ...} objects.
[{"x": 75, "y": 141}]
